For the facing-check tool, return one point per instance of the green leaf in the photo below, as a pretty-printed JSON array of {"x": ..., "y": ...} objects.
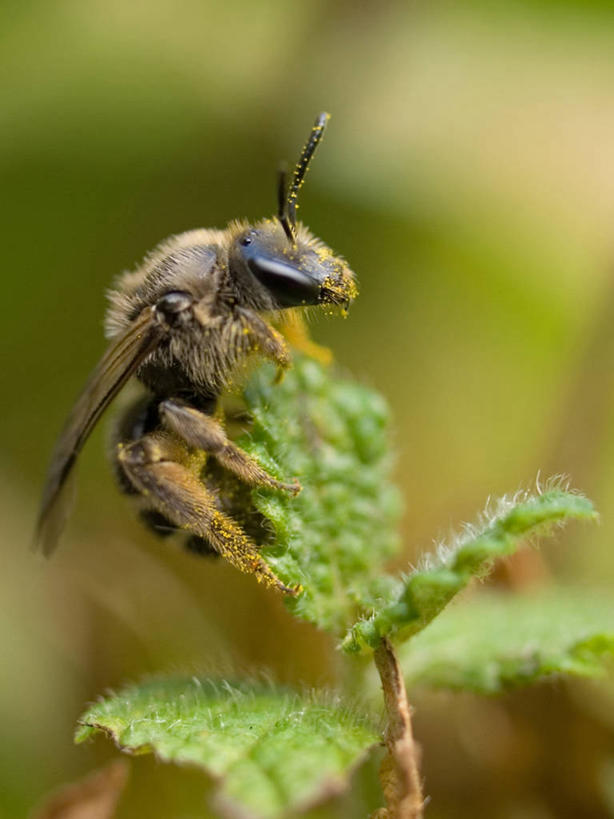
[
  {"x": 272, "y": 751},
  {"x": 495, "y": 642},
  {"x": 334, "y": 537},
  {"x": 428, "y": 589}
]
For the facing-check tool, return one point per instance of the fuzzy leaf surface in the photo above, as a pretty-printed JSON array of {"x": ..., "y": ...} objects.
[
  {"x": 425, "y": 592},
  {"x": 495, "y": 642},
  {"x": 334, "y": 537},
  {"x": 272, "y": 751}
]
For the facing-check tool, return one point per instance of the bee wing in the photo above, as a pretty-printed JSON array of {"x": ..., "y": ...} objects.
[{"x": 120, "y": 361}]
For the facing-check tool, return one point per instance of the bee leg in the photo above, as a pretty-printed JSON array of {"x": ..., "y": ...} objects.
[
  {"x": 158, "y": 468},
  {"x": 265, "y": 338},
  {"x": 138, "y": 419},
  {"x": 201, "y": 431}
]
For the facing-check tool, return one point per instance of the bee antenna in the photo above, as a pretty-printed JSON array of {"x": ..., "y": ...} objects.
[
  {"x": 282, "y": 204},
  {"x": 301, "y": 169}
]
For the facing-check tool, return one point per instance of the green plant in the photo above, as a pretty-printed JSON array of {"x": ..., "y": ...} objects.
[{"x": 276, "y": 752}]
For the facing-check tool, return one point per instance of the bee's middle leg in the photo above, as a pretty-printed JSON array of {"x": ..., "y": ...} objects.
[
  {"x": 201, "y": 431},
  {"x": 157, "y": 466}
]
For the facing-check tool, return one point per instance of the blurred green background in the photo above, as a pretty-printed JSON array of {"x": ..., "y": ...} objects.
[{"x": 468, "y": 176}]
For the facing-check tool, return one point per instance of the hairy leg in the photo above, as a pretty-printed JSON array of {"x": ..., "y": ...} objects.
[
  {"x": 201, "y": 431},
  {"x": 265, "y": 339},
  {"x": 159, "y": 468},
  {"x": 137, "y": 420}
]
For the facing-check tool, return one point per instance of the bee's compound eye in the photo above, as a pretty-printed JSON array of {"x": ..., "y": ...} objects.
[{"x": 246, "y": 240}]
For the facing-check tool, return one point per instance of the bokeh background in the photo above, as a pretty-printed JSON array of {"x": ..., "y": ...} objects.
[{"x": 468, "y": 175}]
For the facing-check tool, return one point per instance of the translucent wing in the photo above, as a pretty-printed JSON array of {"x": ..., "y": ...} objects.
[{"x": 119, "y": 362}]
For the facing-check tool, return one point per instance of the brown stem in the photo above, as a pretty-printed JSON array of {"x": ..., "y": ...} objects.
[{"x": 399, "y": 773}]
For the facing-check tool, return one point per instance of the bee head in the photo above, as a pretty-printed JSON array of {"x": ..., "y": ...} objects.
[{"x": 293, "y": 266}]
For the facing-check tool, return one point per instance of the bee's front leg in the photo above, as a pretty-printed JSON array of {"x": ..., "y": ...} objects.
[
  {"x": 157, "y": 467},
  {"x": 201, "y": 431},
  {"x": 265, "y": 339}
]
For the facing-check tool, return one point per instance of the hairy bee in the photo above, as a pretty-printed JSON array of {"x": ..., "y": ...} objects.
[{"x": 199, "y": 305}]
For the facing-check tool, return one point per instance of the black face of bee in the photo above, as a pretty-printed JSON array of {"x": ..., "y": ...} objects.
[
  {"x": 288, "y": 280},
  {"x": 293, "y": 268},
  {"x": 293, "y": 275}
]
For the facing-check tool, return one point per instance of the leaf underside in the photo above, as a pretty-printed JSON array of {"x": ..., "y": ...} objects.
[
  {"x": 335, "y": 536},
  {"x": 424, "y": 593},
  {"x": 272, "y": 751},
  {"x": 495, "y": 642}
]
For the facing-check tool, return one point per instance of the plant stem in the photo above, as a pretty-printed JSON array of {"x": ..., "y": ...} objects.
[{"x": 399, "y": 773}]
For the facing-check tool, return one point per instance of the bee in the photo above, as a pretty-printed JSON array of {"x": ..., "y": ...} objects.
[{"x": 200, "y": 304}]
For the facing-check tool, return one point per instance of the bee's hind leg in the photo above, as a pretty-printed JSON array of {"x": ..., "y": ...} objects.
[
  {"x": 204, "y": 432},
  {"x": 138, "y": 419},
  {"x": 158, "y": 467}
]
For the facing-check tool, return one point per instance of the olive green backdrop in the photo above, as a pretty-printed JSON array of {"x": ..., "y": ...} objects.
[{"x": 468, "y": 176}]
